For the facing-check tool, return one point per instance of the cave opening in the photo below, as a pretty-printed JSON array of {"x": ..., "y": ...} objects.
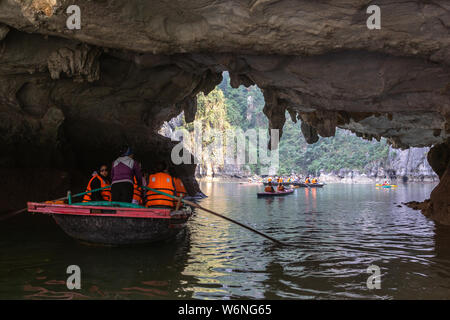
[
  {"x": 68, "y": 105},
  {"x": 363, "y": 107}
]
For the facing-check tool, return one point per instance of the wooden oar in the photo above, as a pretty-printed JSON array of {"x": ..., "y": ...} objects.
[
  {"x": 12, "y": 214},
  {"x": 193, "y": 204}
]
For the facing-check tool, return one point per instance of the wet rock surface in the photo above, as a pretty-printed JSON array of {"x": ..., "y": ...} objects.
[
  {"x": 71, "y": 98},
  {"x": 439, "y": 205}
]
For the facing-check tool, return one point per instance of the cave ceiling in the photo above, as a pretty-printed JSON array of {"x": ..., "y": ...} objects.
[{"x": 135, "y": 64}]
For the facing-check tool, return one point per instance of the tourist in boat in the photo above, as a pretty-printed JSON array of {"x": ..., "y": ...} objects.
[
  {"x": 99, "y": 180},
  {"x": 124, "y": 170},
  {"x": 179, "y": 187},
  {"x": 163, "y": 182},
  {"x": 314, "y": 180},
  {"x": 307, "y": 180},
  {"x": 280, "y": 187},
  {"x": 178, "y": 183},
  {"x": 269, "y": 188},
  {"x": 137, "y": 193}
]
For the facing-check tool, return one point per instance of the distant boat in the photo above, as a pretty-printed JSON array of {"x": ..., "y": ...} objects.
[
  {"x": 275, "y": 194},
  {"x": 299, "y": 184},
  {"x": 313, "y": 185},
  {"x": 115, "y": 223},
  {"x": 386, "y": 185}
]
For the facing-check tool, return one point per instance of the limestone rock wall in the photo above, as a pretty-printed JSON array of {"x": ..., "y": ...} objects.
[{"x": 73, "y": 97}]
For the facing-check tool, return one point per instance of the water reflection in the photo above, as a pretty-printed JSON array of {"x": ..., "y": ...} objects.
[
  {"x": 145, "y": 271},
  {"x": 338, "y": 231}
]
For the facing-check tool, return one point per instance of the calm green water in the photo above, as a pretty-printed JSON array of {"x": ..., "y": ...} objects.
[{"x": 339, "y": 231}]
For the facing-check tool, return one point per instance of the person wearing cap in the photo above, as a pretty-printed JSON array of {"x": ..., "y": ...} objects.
[{"x": 123, "y": 174}]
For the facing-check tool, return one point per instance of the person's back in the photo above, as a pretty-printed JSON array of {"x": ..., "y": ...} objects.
[
  {"x": 123, "y": 172},
  {"x": 161, "y": 181},
  {"x": 269, "y": 188},
  {"x": 280, "y": 187}
]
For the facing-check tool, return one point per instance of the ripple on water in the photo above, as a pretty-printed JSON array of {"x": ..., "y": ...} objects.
[{"x": 335, "y": 232}]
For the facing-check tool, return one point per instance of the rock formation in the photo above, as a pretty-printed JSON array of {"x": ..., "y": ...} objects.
[
  {"x": 401, "y": 166},
  {"x": 70, "y": 98}
]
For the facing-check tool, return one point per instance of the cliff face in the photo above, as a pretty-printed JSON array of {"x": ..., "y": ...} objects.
[
  {"x": 73, "y": 96},
  {"x": 409, "y": 165}
]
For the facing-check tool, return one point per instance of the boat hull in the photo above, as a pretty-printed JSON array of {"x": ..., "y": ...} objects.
[
  {"x": 274, "y": 194},
  {"x": 115, "y": 226},
  {"x": 299, "y": 184},
  {"x": 118, "y": 231},
  {"x": 313, "y": 185}
]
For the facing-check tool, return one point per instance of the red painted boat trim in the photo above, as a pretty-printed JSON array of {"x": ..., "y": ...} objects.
[{"x": 65, "y": 209}]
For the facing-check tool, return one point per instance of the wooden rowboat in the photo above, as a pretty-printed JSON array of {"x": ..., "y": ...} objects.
[
  {"x": 275, "y": 194},
  {"x": 114, "y": 223}
]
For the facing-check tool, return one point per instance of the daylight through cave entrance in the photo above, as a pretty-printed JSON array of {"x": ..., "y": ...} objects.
[{"x": 344, "y": 157}]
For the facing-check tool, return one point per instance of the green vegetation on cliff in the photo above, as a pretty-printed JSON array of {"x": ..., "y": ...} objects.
[
  {"x": 344, "y": 150},
  {"x": 226, "y": 107}
]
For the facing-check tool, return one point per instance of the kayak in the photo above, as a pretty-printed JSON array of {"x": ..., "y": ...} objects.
[
  {"x": 313, "y": 185},
  {"x": 275, "y": 194},
  {"x": 386, "y": 185},
  {"x": 114, "y": 223},
  {"x": 298, "y": 184}
]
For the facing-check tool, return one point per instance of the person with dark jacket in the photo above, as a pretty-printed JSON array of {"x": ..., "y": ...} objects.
[{"x": 124, "y": 170}]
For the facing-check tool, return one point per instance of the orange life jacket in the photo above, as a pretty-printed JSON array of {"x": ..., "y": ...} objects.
[
  {"x": 269, "y": 189},
  {"x": 314, "y": 180},
  {"x": 106, "y": 193},
  {"x": 280, "y": 188},
  {"x": 269, "y": 180},
  {"x": 307, "y": 181},
  {"x": 179, "y": 186},
  {"x": 137, "y": 192},
  {"x": 163, "y": 182}
]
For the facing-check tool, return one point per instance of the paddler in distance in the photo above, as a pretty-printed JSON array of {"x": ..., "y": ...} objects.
[{"x": 269, "y": 188}]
